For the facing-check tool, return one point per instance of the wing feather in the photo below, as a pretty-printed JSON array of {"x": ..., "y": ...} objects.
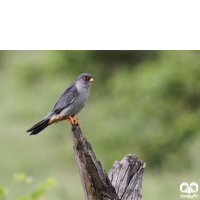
[{"x": 65, "y": 99}]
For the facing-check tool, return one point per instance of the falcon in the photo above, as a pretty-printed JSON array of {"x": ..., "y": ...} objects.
[{"x": 69, "y": 104}]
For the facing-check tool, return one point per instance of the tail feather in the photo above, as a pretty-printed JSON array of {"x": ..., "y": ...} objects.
[{"x": 38, "y": 127}]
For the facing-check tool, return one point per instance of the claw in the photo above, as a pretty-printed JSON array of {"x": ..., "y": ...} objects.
[{"x": 74, "y": 121}]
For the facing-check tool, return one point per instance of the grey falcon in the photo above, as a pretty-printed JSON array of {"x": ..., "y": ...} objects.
[{"x": 70, "y": 103}]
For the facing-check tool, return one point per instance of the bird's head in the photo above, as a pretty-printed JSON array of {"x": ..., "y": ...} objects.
[{"x": 85, "y": 80}]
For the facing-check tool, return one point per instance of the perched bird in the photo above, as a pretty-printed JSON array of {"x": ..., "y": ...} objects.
[{"x": 70, "y": 103}]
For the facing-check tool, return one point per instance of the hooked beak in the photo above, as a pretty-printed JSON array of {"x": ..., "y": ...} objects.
[{"x": 91, "y": 80}]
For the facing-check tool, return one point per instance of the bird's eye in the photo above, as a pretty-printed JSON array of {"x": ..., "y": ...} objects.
[{"x": 86, "y": 77}]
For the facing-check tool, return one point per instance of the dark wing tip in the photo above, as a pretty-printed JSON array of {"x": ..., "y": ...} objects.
[
  {"x": 34, "y": 127},
  {"x": 38, "y": 127}
]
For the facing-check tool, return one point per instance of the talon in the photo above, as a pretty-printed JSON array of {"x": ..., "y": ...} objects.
[{"x": 73, "y": 120}]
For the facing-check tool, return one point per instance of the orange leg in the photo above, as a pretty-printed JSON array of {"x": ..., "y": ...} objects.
[
  {"x": 58, "y": 118},
  {"x": 74, "y": 121}
]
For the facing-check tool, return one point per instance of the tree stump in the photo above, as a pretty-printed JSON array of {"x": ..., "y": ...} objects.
[{"x": 125, "y": 178}]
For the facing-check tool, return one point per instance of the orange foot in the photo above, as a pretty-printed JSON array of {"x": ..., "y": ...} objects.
[{"x": 74, "y": 121}]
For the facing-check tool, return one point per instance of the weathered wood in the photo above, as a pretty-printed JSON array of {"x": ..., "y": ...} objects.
[
  {"x": 126, "y": 176},
  {"x": 124, "y": 181},
  {"x": 95, "y": 181}
]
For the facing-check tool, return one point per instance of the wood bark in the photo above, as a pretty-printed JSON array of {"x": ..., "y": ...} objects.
[{"x": 125, "y": 178}]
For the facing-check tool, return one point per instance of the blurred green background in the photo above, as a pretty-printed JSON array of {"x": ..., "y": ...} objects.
[{"x": 142, "y": 102}]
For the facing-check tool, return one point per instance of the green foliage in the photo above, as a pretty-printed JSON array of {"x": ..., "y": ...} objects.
[
  {"x": 37, "y": 194},
  {"x": 3, "y": 193},
  {"x": 162, "y": 107},
  {"x": 142, "y": 102}
]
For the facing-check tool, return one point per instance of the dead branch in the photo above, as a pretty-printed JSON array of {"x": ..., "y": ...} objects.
[{"x": 124, "y": 181}]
